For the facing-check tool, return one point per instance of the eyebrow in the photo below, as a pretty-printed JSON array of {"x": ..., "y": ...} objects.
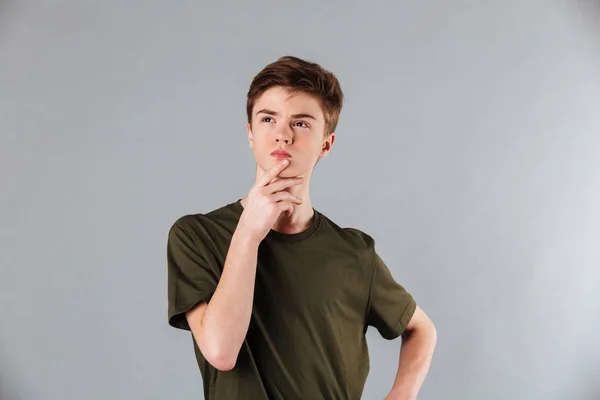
[{"x": 274, "y": 113}]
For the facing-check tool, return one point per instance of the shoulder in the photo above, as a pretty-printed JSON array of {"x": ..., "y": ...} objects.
[
  {"x": 361, "y": 237},
  {"x": 357, "y": 238},
  {"x": 202, "y": 223}
]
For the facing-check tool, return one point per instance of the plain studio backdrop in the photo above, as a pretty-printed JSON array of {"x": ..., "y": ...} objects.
[{"x": 469, "y": 148}]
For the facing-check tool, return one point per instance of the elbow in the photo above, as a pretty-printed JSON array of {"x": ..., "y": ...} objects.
[
  {"x": 217, "y": 348},
  {"x": 219, "y": 356},
  {"x": 222, "y": 363}
]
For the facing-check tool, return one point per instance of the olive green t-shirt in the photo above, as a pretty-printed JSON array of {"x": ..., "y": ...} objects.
[{"x": 316, "y": 293}]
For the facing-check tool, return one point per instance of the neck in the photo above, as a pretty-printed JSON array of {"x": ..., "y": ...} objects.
[{"x": 299, "y": 221}]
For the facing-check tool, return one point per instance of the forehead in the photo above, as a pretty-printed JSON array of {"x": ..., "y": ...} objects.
[{"x": 280, "y": 100}]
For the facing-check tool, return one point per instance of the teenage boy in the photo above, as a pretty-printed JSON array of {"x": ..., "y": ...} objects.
[{"x": 276, "y": 295}]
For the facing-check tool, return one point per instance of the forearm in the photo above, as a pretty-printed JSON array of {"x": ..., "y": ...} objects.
[
  {"x": 227, "y": 317},
  {"x": 416, "y": 353}
]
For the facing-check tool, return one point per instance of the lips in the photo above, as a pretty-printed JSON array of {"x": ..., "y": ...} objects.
[{"x": 280, "y": 154}]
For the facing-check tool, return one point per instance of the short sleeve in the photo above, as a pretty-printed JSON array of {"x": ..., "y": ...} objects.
[
  {"x": 391, "y": 306},
  {"x": 190, "y": 279}
]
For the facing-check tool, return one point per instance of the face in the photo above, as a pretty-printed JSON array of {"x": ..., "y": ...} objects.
[{"x": 288, "y": 124}]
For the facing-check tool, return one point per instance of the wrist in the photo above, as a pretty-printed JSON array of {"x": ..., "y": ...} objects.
[{"x": 245, "y": 236}]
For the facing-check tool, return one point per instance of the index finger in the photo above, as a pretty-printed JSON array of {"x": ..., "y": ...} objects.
[{"x": 272, "y": 173}]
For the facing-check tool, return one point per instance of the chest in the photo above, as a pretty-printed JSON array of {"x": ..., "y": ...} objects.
[{"x": 311, "y": 282}]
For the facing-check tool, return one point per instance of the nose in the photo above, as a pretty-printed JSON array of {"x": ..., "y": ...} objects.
[{"x": 284, "y": 135}]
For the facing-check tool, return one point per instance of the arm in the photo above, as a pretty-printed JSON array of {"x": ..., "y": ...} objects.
[
  {"x": 418, "y": 343},
  {"x": 220, "y": 326}
]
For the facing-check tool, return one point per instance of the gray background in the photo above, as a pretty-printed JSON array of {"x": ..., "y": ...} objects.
[{"x": 469, "y": 147}]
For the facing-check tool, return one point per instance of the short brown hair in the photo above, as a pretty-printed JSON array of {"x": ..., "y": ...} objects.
[{"x": 298, "y": 75}]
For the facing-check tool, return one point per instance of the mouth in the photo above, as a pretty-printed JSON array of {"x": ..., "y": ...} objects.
[{"x": 281, "y": 154}]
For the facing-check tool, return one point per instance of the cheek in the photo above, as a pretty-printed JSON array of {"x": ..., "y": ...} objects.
[{"x": 261, "y": 138}]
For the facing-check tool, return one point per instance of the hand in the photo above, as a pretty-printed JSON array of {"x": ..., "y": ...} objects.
[{"x": 266, "y": 201}]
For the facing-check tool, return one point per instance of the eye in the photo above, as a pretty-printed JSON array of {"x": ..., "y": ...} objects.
[
  {"x": 302, "y": 124},
  {"x": 266, "y": 119}
]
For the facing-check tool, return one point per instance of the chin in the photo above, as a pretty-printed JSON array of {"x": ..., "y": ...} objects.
[
  {"x": 288, "y": 173},
  {"x": 292, "y": 170}
]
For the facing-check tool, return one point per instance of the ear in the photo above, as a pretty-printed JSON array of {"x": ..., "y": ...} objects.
[
  {"x": 250, "y": 135},
  {"x": 327, "y": 144}
]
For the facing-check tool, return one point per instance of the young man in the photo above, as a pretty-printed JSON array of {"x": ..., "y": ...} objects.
[{"x": 278, "y": 297}]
